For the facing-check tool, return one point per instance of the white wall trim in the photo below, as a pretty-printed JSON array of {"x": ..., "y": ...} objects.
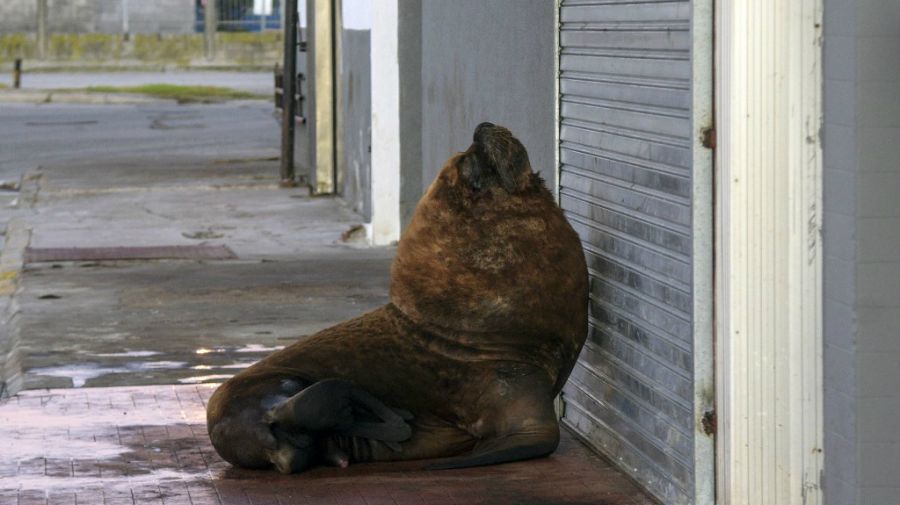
[
  {"x": 702, "y": 210},
  {"x": 385, "y": 67},
  {"x": 769, "y": 252}
]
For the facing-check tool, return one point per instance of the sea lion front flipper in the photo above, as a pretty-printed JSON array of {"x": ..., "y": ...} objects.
[
  {"x": 384, "y": 432},
  {"x": 513, "y": 447},
  {"x": 521, "y": 424},
  {"x": 387, "y": 414},
  {"x": 324, "y": 405}
]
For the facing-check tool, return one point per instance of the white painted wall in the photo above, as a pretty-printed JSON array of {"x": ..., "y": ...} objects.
[
  {"x": 357, "y": 14},
  {"x": 385, "y": 65},
  {"x": 769, "y": 252}
]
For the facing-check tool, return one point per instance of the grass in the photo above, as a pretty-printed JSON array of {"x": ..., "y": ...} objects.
[
  {"x": 3, "y": 86},
  {"x": 182, "y": 94}
]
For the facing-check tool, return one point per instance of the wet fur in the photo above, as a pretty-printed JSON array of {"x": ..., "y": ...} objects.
[{"x": 487, "y": 316}]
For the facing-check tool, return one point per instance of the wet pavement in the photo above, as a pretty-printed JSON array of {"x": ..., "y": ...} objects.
[
  {"x": 171, "y": 322},
  {"x": 175, "y": 176},
  {"x": 148, "y": 445},
  {"x": 117, "y": 357}
]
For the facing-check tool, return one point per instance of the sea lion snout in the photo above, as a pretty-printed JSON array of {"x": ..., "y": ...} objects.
[
  {"x": 483, "y": 130},
  {"x": 495, "y": 158}
]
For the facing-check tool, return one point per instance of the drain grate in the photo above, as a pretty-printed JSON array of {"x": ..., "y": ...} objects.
[{"x": 175, "y": 252}]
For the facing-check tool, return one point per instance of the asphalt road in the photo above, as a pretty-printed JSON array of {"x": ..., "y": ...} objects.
[
  {"x": 35, "y": 134},
  {"x": 252, "y": 82}
]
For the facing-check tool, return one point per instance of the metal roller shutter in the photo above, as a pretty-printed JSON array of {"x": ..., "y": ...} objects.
[{"x": 625, "y": 185}]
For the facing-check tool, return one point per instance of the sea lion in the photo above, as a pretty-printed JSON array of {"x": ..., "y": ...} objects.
[{"x": 487, "y": 315}]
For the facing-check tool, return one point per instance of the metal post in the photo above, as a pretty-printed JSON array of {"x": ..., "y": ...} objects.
[
  {"x": 210, "y": 25},
  {"x": 17, "y": 74},
  {"x": 42, "y": 28},
  {"x": 290, "y": 90},
  {"x": 125, "y": 28},
  {"x": 264, "y": 8}
]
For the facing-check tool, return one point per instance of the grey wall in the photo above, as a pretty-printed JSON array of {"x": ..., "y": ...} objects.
[
  {"x": 409, "y": 59},
  {"x": 356, "y": 90},
  {"x": 487, "y": 61},
  {"x": 841, "y": 456},
  {"x": 99, "y": 16},
  {"x": 862, "y": 251}
]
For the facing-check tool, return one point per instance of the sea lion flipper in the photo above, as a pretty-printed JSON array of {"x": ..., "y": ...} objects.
[
  {"x": 403, "y": 413},
  {"x": 322, "y": 406},
  {"x": 377, "y": 407},
  {"x": 514, "y": 447},
  {"x": 384, "y": 432}
]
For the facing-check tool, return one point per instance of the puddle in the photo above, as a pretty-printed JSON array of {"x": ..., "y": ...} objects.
[
  {"x": 49, "y": 483},
  {"x": 53, "y": 449},
  {"x": 230, "y": 366},
  {"x": 157, "y": 365},
  {"x": 82, "y": 373},
  {"x": 79, "y": 374},
  {"x": 244, "y": 349},
  {"x": 204, "y": 378},
  {"x": 259, "y": 348},
  {"x": 129, "y": 354}
]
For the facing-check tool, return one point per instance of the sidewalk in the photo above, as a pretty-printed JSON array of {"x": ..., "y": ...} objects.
[
  {"x": 148, "y": 445},
  {"x": 278, "y": 270},
  {"x": 117, "y": 354}
]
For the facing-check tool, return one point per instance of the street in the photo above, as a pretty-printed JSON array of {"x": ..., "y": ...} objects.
[{"x": 253, "y": 82}]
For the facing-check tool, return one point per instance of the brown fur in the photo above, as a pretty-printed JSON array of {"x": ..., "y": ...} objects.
[{"x": 487, "y": 316}]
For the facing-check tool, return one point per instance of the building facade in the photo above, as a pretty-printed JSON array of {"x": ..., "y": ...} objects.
[{"x": 732, "y": 169}]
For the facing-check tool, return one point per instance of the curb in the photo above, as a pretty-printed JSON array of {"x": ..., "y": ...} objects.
[
  {"x": 46, "y": 96},
  {"x": 12, "y": 262}
]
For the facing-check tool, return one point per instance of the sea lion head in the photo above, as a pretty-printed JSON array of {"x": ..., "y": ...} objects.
[
  {"x": 495, "y": 158},
  {"x": 488, "y": 250}
]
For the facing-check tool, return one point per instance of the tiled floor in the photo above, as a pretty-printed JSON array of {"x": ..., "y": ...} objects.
[{"x": 132, "y": 445}]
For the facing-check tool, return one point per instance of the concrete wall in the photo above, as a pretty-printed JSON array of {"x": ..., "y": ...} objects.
[
  {"x": 862, "y": 240},
  {"x": 839, "y": 245},
  {"x": 487, "y": 61},
  {"x": 99, "y": 16},
  {"x": 356, "y": 93}
]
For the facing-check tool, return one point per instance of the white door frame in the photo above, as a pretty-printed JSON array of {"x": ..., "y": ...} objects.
[
  {"x": 702, "y": 235},
  {"x": 768, "y": 252}
]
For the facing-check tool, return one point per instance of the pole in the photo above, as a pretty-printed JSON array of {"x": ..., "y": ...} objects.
[
  {"x": 210, "y": 25},
  {"x": 262, "y": 17},
  {"x": 125, "y": 27},
  {"x": 42, "y": 28},
  {"x": 288, "y": 105},
  {"x": 17, "y": 74}
]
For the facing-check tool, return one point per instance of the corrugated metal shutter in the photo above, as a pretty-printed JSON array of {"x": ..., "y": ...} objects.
[{"x": 625, "y": 184}]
